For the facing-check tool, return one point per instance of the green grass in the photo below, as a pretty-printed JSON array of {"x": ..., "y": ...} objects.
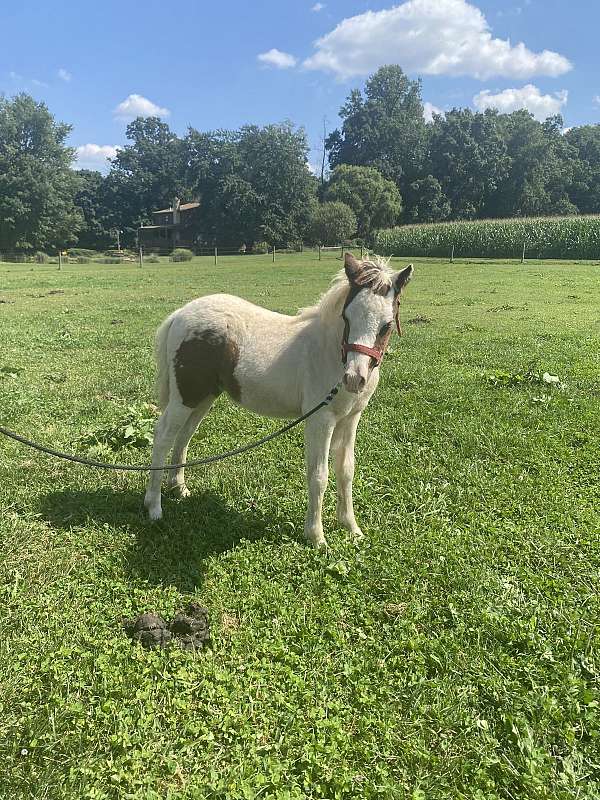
[{"x": 453, "y": 654}]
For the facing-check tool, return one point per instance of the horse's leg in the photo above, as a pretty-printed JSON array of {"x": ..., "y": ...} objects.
[
  {"x": 343, "y": 453},
  {"x": 168, "y": 426},
  {"x": 176, "y": 479},
  {"x": 317, "y": 438}
]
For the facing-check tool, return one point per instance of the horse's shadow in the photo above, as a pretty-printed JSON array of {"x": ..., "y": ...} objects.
[{"x": 169, "y": 552}]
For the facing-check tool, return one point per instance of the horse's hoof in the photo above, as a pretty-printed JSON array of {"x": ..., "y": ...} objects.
[
  {"x": 179, "y": 489},
  {"x": 357, "y": 535},
  {"x": 318, "y": 542},
  {"x": 154, "y": 514}
]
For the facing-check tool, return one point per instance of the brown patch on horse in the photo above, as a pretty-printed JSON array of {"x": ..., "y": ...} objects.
[{"x": 204, "y": 367}]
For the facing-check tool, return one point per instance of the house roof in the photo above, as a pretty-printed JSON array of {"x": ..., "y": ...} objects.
[{"x": 182, "y": 207}]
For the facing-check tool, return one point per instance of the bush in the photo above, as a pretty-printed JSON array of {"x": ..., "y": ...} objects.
[
  {"x": 41, "y": 258},
  {"x": 332, "y": 224},
  {"x": 259, "y": 248},
  {"x": 112, "y": 260},
  {"x": 152, "y": 259},
  {"x": 181, "y": 254},
  {"x": 544, "y": 237},
  {"x": 82, "y": 260},
  {"x": 82, "y": 251}
]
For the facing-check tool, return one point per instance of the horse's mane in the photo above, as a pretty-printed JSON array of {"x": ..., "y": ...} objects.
[{"x": 375, "y": 274}]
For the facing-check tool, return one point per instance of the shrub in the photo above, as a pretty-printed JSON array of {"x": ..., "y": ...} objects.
[
  {"x": 375, "y": 200},
  {"x": 82, "y": 260},
  {"x": 259, "y": 248},
  {"x": 332, "y": 224},
  {"x": 112, "y": 260},
  {"x": 152, "y": 259},
  {"x": 181, "y": 254},
  {"x": 82, "y": 251},
  {"x": 41, "y": 258}
]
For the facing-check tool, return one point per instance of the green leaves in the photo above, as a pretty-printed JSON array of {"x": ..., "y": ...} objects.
[{"x": 134, "y": 428}]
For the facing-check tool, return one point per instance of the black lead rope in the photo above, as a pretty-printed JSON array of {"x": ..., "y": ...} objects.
[{"x": 195, "y": 463}]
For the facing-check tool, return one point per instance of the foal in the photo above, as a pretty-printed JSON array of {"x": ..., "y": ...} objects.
[{"x": 280, "y": 366}]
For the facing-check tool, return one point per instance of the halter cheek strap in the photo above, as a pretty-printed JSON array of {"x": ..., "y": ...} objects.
[{"x": 376, "y": 353}]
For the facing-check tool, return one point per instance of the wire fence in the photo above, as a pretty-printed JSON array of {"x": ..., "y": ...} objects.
[{"x": 153, "y": 255}]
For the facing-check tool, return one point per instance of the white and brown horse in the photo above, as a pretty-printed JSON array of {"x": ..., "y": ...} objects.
[{"x": 280, "y": 366}]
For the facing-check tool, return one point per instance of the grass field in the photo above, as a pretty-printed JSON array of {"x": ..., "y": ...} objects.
[{"x": 453, "y": 654}]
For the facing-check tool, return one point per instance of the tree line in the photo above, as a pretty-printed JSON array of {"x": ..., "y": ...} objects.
[{"x": 387, "y": 166}]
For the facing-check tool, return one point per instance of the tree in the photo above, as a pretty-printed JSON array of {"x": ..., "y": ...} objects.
[
  {"x": 427, "y": 201},
  {"x": 375, "y": 201},
  {"x": 467, "y": 155},
  {"x": 89, "y": 199},
  {"x": 585, "y": 189},
  {"x": 384, "y": 128},
  {"x": 253, "y": 184},
  {"x": 145, "y": 175},
  {"x": 332, "y": 224},
  {"x": 542, "y": 167},
  {"x": 37, "y": 186}
]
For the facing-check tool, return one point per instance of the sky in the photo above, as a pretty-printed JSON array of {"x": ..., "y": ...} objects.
[{"x": 221, "y": 65}]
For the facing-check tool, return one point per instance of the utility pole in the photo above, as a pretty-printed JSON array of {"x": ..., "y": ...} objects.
[{"x": 323, "y": 157}]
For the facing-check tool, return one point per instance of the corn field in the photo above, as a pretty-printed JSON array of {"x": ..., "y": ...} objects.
[{"x": 543, "y": 237}]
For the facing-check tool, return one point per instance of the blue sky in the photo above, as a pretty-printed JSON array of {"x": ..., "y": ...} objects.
[{"x": 220, "y": 65}]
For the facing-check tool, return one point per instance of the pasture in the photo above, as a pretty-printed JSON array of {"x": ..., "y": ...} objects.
[{"x": 451, "y": 654}]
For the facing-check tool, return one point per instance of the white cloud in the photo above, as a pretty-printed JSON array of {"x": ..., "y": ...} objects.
[
  {"x": 318, "y": 7},
  {"x": 26, "y": 82},
  {"x": 431, "y": 37},
  {"x": 529, "y": 97},
  {"x": 64, "y": 75},
  {"x": 137, "y": 106},
  {"x": 596, "y": 100},
  {"x": 429, "y": 110},
  {"x": 94, "y": 156},
  {"x": 276, "y": 58}
]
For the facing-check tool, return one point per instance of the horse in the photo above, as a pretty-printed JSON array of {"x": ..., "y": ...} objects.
[{"x": 279, "y": 366}]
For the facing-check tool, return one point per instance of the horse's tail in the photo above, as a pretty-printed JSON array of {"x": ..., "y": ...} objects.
[{"x": 162, "y": 364}]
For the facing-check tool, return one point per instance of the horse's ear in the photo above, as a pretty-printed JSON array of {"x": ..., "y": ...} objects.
[
  {"x": 402, "y": 278},
  {"x": 353, "y": 267}
]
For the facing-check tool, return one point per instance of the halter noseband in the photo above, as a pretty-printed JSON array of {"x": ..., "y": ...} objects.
[{"x": 376, "y": 353}]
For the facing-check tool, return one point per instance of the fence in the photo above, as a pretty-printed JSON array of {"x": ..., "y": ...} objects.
[{"x": 154, "y": 255}]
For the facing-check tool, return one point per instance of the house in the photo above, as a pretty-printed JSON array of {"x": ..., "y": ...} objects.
[{"x": 172, "y": 227}]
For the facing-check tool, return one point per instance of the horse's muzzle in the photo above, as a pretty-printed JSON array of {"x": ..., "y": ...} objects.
[{"x": 354, "y": 382}]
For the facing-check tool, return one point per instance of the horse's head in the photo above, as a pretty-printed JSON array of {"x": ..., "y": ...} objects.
[{"x": 370, "y": 312}]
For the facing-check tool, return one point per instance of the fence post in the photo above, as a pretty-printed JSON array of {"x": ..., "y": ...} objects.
[
  {"x": 361, "y": 252},
  {"x": 523, "y": 254},
  {"x": 452, "y": 255},
  {"x": 141, "y": 258},
  {"x": 319, "y": 252},
  {"x": 60, "y": 259},
  {"x": 216, "y": 256},
  {"x": 342, "y": 255},
  {"x": 273, "y": 252}
]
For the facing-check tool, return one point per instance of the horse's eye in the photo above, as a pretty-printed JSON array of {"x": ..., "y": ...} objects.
[{"x": 385, "y": 329}]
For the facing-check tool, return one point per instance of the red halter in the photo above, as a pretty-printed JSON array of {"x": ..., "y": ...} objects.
[{"x": 376, "y": 353}]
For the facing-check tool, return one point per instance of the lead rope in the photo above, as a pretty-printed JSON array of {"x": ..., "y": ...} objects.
[{"x": 195, "y": 463}]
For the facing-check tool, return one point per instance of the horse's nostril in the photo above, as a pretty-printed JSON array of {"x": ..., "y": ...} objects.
[{"x": 361, "y": 382}]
